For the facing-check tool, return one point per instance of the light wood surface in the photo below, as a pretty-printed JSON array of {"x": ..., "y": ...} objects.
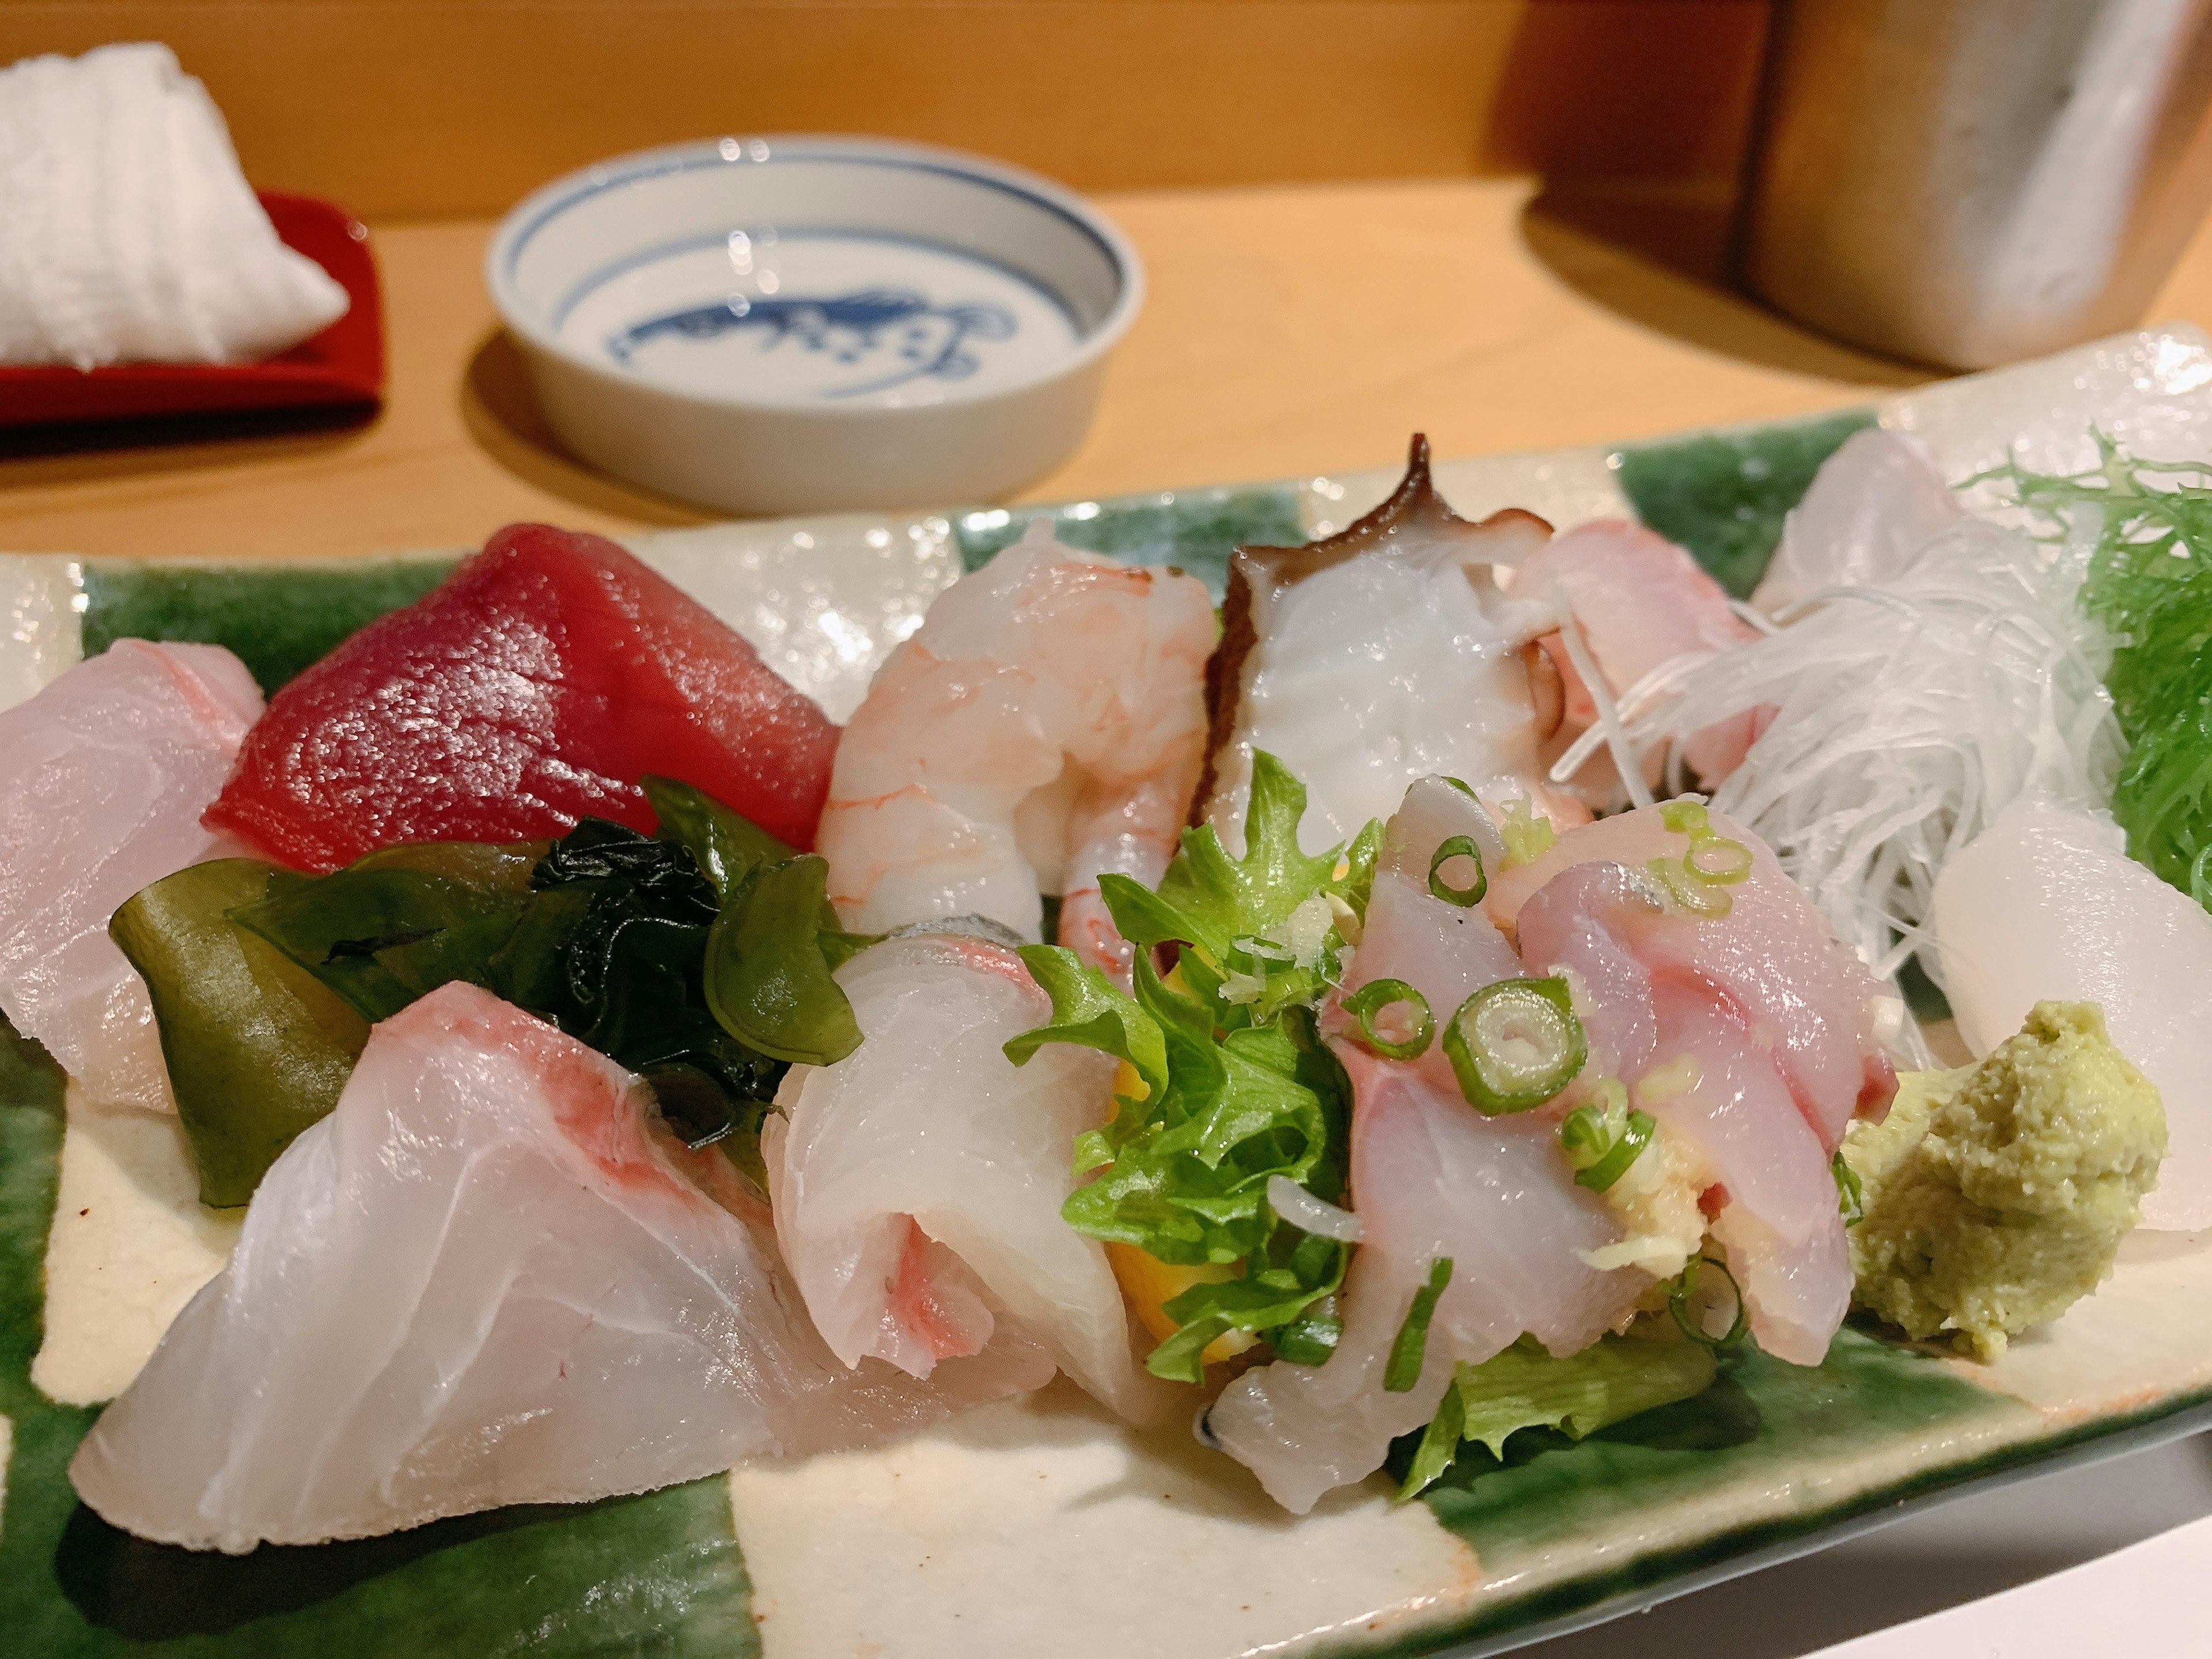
[
  {"x": 1289, "y": 331},
  {"x": 416, "y": 108}
]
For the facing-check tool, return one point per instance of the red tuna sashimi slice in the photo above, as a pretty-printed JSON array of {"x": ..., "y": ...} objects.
[{"x": 536, "y": 685}]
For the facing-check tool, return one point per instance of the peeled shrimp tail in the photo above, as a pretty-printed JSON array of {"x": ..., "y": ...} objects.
[
  {"x": 1125, "y": 827},
  {"x": 1043, "y": 724}
]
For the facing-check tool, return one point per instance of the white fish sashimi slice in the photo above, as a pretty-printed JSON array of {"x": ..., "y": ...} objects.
[
  {"x": 488, "y": 1277},
  {"x": 1444, "y": 950},
  {"x": 2044, "y": 904},
  {"x": 1431, "y": 1178},
  {"x": 1870, "y": 507},
  {"x": 1647, "y": 609},
  {"x": 103, "y": 777},
  {"x": 918, "y": 1182},
  {"x": 1689, "y": 1050},
  {"x": 1773, "y": 954},
  {"x": 1780, "y": 1223}
]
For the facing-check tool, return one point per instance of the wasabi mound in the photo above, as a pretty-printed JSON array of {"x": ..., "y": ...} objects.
[{"x": 1996, "y": 1195}]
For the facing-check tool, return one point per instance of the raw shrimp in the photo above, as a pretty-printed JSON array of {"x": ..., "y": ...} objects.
[
  {"x": 1046, "y": 724},
  {"x": 489, "y": 1276},
  {"x": 103, "y": 777},
  {"x": 918, "y": 1182}
]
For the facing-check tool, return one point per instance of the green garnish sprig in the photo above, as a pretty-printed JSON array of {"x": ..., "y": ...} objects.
[
  {"x": 1366, "y": 1004},
  {"x": 1409, "y": 1349},
  {"x": 1524, "y": 1387},
  {"x": 1233, "y": 1084},
  {"x": 1689, "y": 1300},
  {"x": 2150, "y": 582},
  {"x": 1851, "y": 1191}
]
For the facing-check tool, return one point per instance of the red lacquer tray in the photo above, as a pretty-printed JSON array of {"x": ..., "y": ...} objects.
[{"x": 342, "y": 367}]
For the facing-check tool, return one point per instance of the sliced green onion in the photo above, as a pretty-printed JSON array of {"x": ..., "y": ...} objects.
[
  {"x": 1717, "y": 860},
  {"x": 1458, "y": 847},
  {"x": 1683, "y": 816},
  {"x": 1851, "y": 1193},
  {"x": 1622, "y": 1150},
  {"x": 1585, "y": 1136},
  {"x": 1308, "y": 1339},
  {"x": 1690, "y": 1318},
  {"x": 1515, "y": 1044},
  {"x": 1694, "y": 893},
  {"x": 1528, "y": 836},
  {"x": 1411, "y": 1345},
  {"x": 1372, "y": 998}
]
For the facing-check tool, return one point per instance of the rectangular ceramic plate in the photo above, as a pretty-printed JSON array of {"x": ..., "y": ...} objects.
[{"x": 1041, "y": 1526}]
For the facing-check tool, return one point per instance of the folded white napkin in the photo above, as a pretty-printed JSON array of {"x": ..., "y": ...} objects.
[{"x": 128, "y": 233}]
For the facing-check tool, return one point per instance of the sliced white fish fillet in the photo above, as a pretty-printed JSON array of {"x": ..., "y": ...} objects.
[
  {"x": 1779, "y": 1220},
  {"x": 918, "y": 1182},
  {"x": 1749, "y": 1037},
  {"x": 2045, "y": 903},
  {"x": 1870, "y": 508},
  {"x": 488, "y": 1277},
  {"x": 1773, "y": 957},
  {"x": 103, "y": 777},
  {"x": 1431, "y": 1177},
  {"x": 1446, "y": 952},
  {"x": 1650, "y": 613}
]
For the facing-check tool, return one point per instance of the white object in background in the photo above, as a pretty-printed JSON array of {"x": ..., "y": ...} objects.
[
  {"x": 792, "y": 324},
  {"x": 128, "y": 233},
  {"x": 2145, "y": 1599},
  {"x": 2047, "y": 903}
]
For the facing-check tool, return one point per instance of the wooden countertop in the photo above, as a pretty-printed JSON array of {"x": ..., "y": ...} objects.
[{"x": 1289, "y": 330}]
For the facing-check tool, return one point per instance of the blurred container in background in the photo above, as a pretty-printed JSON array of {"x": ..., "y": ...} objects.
[{"x": 1970, "y": 182}]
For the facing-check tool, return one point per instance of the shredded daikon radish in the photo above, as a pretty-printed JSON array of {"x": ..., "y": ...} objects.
[
  {"x": 1904, "y": 717},
  {"x": 1302, "y": 1209}
]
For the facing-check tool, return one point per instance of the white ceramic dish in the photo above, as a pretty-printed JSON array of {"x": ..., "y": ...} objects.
[{"x": 788, "y": 323}]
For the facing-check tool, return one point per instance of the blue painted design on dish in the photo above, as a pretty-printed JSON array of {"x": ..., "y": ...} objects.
[
  {"x": 743, "y": 157},
  {"x": 653, "y": 255},
  {"x": 850, "y": 327}
]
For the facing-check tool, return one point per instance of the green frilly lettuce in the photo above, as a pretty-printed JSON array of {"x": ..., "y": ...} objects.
[
  {"x": 1525, "y": 1388},
  {"x": 1235, "y": 1086}
]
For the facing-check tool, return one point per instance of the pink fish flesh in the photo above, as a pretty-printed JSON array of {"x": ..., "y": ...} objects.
[
  {"x": 489, "y": 1277},
  {"x": 103, "y": 777},
  {"x": 918, "y": 1182}
]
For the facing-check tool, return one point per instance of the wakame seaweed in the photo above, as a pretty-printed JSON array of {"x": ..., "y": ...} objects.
[{"x": 699, "y": 957}]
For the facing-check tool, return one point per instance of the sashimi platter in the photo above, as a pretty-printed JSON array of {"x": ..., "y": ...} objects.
[{"x": 1381, "y": 1064}]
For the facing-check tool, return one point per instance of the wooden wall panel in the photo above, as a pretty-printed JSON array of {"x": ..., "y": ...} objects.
[{"x": 437, "y": 107}]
